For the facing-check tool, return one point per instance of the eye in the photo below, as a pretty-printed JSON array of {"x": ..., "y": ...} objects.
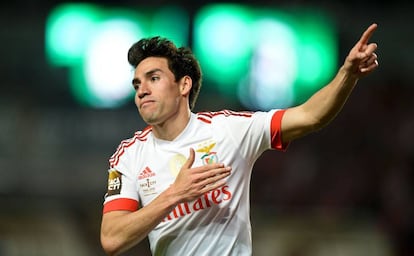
[
  {"x": 136, "y": 83},
  {"x": 155, "y": 78},
  {"x": 136, "y": 86}
]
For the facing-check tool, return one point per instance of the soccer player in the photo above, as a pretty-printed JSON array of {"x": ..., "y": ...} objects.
[{"x": 184, "y": 180}]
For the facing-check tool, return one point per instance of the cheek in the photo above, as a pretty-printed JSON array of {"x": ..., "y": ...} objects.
[
  {"x": 136, "y": 99},
  {"x": 173, "y": 100}
]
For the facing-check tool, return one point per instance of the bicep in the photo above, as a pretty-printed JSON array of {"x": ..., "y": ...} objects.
[{"x": 296, "y": 123}]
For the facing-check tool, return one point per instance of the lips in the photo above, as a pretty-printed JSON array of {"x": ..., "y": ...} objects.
[{"x": 146, "y": 103}]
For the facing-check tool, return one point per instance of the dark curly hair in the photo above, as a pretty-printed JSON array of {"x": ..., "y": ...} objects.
[{"x": 181, "y": 61}]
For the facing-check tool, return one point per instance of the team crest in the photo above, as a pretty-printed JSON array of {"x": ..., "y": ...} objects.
[{"x": 209, "y": 157}]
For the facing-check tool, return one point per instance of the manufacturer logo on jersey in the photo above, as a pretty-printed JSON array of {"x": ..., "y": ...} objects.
[
  {"x": 175, "y": 164},
  {"x": 114, "y": 183},
  {"x": 146, "y": 173},
  {"x": 209, "y": 157}
]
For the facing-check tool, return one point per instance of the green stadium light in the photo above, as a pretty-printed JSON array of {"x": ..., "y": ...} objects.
[
  {"x": 271, "y": 58},
  {"x": 171, "y": 22},
  {"x": 318, "y": 47},
  {"x": 221, "y": 43},
  {"x": 93, "y": 42},
  {"x": 68, "y": 29},
  {"x": 104, "y": 77}
]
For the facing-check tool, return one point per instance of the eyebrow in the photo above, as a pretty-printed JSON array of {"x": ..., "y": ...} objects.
[{"x": 147, "y": 74}]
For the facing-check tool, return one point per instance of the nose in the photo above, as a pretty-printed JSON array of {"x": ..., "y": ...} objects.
[{"x": 143, "y": 90}]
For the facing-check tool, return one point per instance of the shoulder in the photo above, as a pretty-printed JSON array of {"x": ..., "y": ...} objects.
[
  {"x": 139, "y": 138},
  {"x": 225, "y": 114}
]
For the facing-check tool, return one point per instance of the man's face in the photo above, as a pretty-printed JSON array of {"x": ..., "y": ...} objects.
[{"x": 157, "y": 94}]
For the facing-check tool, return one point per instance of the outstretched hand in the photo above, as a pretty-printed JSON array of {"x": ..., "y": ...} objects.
[{"x": 362, "y": 58}]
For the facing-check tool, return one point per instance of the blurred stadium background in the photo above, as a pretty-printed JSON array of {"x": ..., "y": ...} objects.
[{"x": 66, "y": 103}]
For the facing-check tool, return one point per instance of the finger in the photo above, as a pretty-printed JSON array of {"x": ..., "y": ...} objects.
[
  {"x": 214, "y": 182},
  {"x": 368, "y": 61},
  {"x": 368, "y": 69},
  {"x": 367, "y": 34},
  {"x": 212, "y": 187},
  {"x": 372, "y": 58},
  {"x": 370, "y": 49},
  {"x": 367, "y": 52},
  {"x": 214, "y": 176},
  {"x": 190, "y": 159}
]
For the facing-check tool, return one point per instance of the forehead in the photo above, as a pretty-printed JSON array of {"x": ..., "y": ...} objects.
[{"x": 150, "y": 64}]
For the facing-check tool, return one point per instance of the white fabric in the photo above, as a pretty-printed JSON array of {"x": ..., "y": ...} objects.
[{"x": 218, "y": 223}]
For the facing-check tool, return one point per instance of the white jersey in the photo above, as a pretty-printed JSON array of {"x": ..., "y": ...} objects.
[{"x": 218, "y": 223}]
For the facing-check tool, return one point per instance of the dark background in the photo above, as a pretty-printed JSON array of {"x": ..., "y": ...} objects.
[{"x": 345, "y": 190}]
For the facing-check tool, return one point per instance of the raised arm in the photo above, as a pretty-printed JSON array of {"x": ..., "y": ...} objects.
[
  {"x": 326, "y": 103},
  {"x": 121, "y": 230}
]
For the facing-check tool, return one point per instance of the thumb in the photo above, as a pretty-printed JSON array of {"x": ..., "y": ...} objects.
[{"x": 190, "y": 159}]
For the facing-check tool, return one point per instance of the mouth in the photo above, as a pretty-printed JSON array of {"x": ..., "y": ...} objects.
[{"x": 145, "y": 103}]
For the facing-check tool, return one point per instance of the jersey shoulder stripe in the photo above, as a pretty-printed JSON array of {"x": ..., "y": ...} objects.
[
  {"x": 138, "y": 136},
  {"x": 208, "y": 116}
]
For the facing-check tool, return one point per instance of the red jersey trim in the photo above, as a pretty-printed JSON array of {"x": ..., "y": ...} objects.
[
  {"x": 121, "y": 204},
  {"x": 276, "y": 131},
  {"x": 207, "y": 116},
  {"x": 141, "y": 136}
]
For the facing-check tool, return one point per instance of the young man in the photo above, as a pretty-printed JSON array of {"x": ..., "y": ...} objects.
[{"x": 184, "y": 180}]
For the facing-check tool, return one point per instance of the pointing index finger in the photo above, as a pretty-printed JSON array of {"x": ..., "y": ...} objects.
[{"x": 367, "y": 34}]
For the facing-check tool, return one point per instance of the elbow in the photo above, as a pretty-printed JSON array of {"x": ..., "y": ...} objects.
[
  {"x": 323, "y": 122},
  {"x": 110, "y": 246},
  {"x": 317, "y": 123}
]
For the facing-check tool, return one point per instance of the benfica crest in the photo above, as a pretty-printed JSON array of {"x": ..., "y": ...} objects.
[{"x": 209, "y": 157}]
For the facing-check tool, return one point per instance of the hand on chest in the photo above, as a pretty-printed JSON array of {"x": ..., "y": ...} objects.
[{"x": 159, "y": 169}]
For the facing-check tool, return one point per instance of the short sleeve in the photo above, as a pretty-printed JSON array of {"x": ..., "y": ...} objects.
[
  {"x": 276, "y": 131},
  {"x": 121, "y": 194}
]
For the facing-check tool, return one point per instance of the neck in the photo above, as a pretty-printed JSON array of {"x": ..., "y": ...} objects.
[{"x": 170, "y": 129}]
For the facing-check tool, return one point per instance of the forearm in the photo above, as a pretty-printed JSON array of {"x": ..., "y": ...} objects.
[
  {"x": 122, "y": 230},
  {"x": 320, "y": 109},
  {"x": 324, "y": 105}
]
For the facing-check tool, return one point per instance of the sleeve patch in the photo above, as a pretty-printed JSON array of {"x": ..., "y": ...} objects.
[{"x": 114, "y": 183}]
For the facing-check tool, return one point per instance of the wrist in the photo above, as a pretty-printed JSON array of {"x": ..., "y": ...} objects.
[
  {"x": 346, "y": 74},
  {"x": 171, "y": 198}
]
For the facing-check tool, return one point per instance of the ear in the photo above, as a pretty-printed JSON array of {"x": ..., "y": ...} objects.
[{"x": 186, "y": 84}]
